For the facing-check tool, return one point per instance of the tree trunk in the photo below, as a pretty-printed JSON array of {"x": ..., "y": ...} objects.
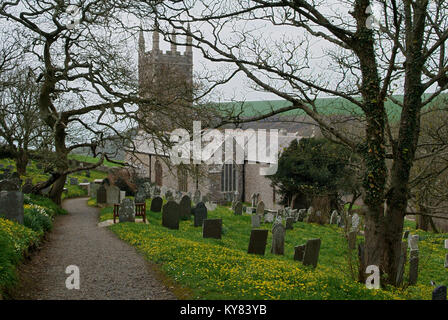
[{"x": 21, "y": 161}]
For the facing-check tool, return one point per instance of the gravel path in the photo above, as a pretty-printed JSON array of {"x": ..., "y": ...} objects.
[{"x": 109, "y": 268}]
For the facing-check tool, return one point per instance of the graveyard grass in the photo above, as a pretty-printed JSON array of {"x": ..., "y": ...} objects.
[{"x": 222, "y": 269}]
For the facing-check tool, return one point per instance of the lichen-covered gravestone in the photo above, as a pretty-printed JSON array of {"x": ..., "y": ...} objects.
[
  {"x": 185, "y": 208},
  {"x": 257, "y": 242},
  {"x": 11, "y": 205},
  {"x": 238, "y": 208},
  {"x": 156, "y": 204},
  {"x": 101, "y": 195},
  {"x": 126, "y": 213},
  {"x": 311, "y": 254},
  {"x": 212, "y": 228},
  {"x": 170, "y": 215},
  {"x": 140, "y": 196},
  {"x": 200, "y": 214},
  {"x": 278, "y": 239},
  {"x": 112, "y": 194}
]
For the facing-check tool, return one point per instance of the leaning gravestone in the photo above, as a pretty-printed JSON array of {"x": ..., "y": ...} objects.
[
  {"x": 126, "y": 213},
  {"x": 11, "y": 205},
  {"x": 212, "y": 228},
  {"x": 257, "y": 242},
  {"x": 185, "y": 208},
  {"x": 311, "y": 255},
  {"x": 112, "y": 194},
  {"x": 101, "y": 195},
  {"x": 299, "y": 251},
  {"x": 256, "y": 221},
  {"x": 278, "y": 239},
  {"x": 200, "y": 214},
  {"x": 156, "y": 204},
  {"x": 439, "y": 293},
  {"x": 170, "y": 215},
  {"x": 238, "y": 208},
  {"x": 289, "y": 223}
]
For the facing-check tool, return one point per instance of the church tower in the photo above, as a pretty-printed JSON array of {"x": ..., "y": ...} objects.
[{"x": 165, "y": 77}]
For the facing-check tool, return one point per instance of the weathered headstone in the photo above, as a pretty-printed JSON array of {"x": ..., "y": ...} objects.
[
  {"x": 413, "y": 242},
  {"x": 355, "y": 222},
  {"x": 254, "y": 199},
  {"x": 101, "y": 195},
  {"x": 185, "y": 208},
  {"x": 11, "y": 205},
  {"x": 413, "y": 267},
  {"x": 257, "y": 242},
  {"x": 311, "y": 255},
  {"x": 289, "y": 223},
  {"x": 122, "y": 196},
  {"x": 156, "y": 204},
  {"x": 212, "y": 228},
  {"x": 200, "y": 214},
  {"x": 278, "y": 239},
  {"x": 126, "y": 213},
  {"x": 260, "y": 208},
  {"x": 170, "y": 215},
  {"x": 439, "y": 293},
  {"x": 140, "y": 196},
  {"x": 112, "y": 194},
  {"x": 238, "y": 208},
  {"x": 10, "y": 184},
  {"x": 256, "y": 221},
  {"x": 169, "y": 195},
  {"x": 299, "y": 252}
]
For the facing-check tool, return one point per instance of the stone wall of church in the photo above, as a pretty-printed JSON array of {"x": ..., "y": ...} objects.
[{"x": 256, "y": 183}]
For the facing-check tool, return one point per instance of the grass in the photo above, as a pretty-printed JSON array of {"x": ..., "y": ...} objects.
[{"x": 222, "y": 269}]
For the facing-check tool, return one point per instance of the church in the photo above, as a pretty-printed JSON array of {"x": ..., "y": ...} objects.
[{"x": 168, "y": 77}]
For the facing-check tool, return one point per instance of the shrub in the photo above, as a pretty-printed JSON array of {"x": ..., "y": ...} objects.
[{"x": 37, "y": 219}]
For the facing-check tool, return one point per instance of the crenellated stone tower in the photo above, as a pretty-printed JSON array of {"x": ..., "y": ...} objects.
[{"x": 165, "y": 77}]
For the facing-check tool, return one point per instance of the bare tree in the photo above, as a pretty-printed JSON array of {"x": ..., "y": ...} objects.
[{"x": 360, "y": 65}]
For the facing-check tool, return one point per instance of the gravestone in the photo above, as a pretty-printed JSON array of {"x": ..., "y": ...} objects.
[
  {"x": 260, "y": 208},
  {"x": 200, "y": 214},
  {"x": 301, "y": 215},
  {"x": 212, "y": 228},
  {"x": 334, "y": 217},
  {"x": 439, "y": 293},
  {"x": 140, "y": 196},
  {"x": 299, "y": 252},
  {"x": 413, "y": 242},
  {"x": 74, "y": 182},
  {"x": 10, "y": 184},
  {"x": 413, "y": 267},
  {"x": 147, "y": 189},
  {"x": 352, "y": 239},
  {"x": 169, "y": 195},
  {"x": 238, "y": 208},
  {"x": 112, "y": 194},
  {"x": 11, "y": 205},
  {"x": 93, "y": 189},
  {"x": 185, "y": 208},
  {"x": 157, "y": 191},
  {"x": 295, "y": 214},
  {"x": 101, "y": 195},
  {"x": 257, "y": 242},
  {"x": 278, "y": 239},
  {"x": 406, "y": 235},
  {"x": 126, "y": 213},
  {"x": 269, "y": 218},
  {"x": 253, "y": 200},
  {"x": 28, "y": 186},
  {"x": 170, "y": 215},
  {"x": 211, "y": 206},
  {"x": 311, "y": 255},
  {"x": 156, "y": 204},
  {"x": 256, "y": 221},
  {"x": 122, "y": 196},
  {"x": 355, "y": 222},
  {"x": 289, "y": 223},
  {"x": 401, "y": 263}
]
